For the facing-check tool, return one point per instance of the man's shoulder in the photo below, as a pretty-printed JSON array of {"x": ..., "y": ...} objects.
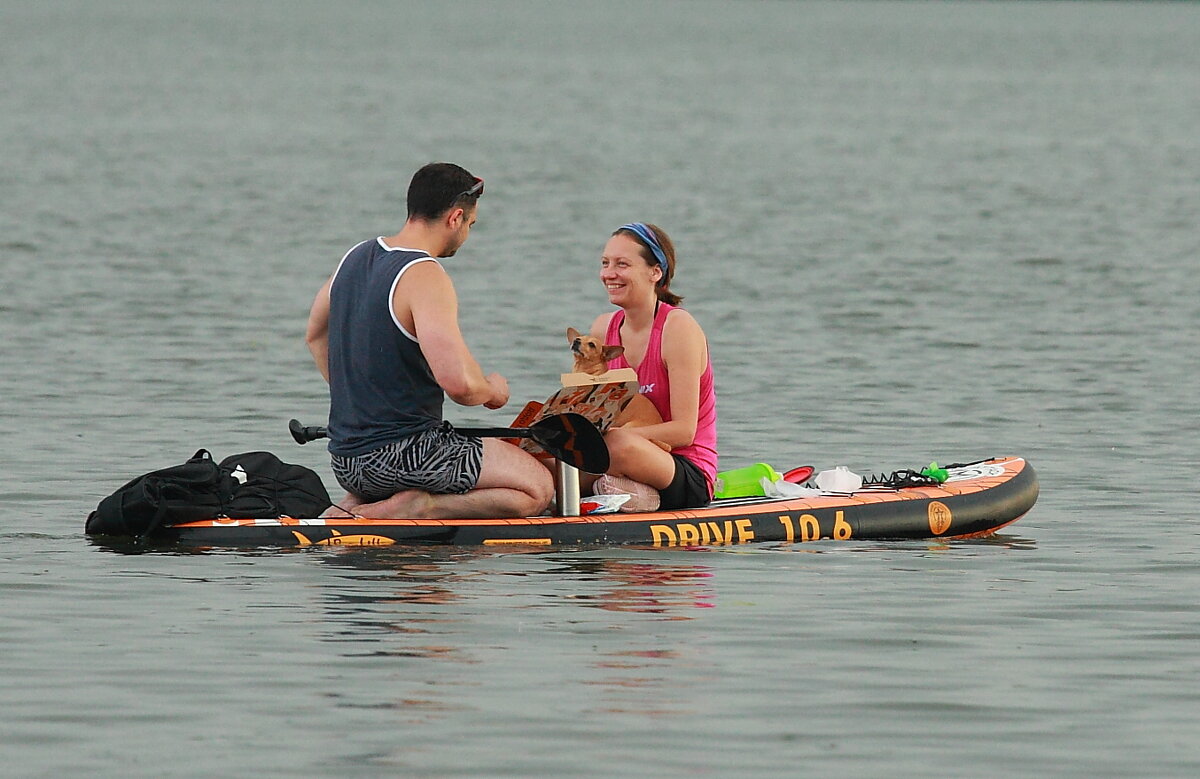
[
  {"x": 380, "y": 247},
  {"x": 423, "y": 281},
  {"x": 424, "y": 269}
]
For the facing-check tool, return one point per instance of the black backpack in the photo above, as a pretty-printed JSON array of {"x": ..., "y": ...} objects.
[
  {"x": 255, "y": 484},
  {"x": 270, "y": 488}
]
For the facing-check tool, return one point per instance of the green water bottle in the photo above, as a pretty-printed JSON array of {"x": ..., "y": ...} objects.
[{"x": 744, "y": 482}]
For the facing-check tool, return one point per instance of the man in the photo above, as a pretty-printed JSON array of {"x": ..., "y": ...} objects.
[{"x": 384, "y": 333}]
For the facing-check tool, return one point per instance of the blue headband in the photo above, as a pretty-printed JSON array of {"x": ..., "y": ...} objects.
[{"x": 650, "y": 239}]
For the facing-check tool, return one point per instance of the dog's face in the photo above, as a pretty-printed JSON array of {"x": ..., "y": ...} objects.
[{"x": 591, "y": 356}]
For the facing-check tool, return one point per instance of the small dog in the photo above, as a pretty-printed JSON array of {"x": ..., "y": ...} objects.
[{"x": 591, "y": 357}]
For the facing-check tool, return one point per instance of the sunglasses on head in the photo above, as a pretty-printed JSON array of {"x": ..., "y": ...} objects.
[{"x": 474, "y": 191}]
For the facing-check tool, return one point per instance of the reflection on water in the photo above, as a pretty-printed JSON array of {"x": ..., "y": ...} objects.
[
  {"x": 667, "y": 588},
  {"x": 448, "y": 609},
  {"x": 425, "y": 577},
  {"x": 964, "y": 547},
  {"x": 389, "y": 605},
  {"x": 670, "y": 590}
]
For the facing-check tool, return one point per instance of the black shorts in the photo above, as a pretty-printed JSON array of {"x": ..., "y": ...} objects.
[
  {"x": 688, "y": 490},
  {"x": 438, "y": 460}
]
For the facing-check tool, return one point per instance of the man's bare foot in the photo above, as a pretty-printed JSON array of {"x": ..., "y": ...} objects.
[
  {"x": 345, "y": 508},
  {"x": 410, "y": 504}
]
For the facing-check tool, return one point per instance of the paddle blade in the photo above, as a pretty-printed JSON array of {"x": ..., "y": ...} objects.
[
  {"x": 574, "y": 440},
  {"x": 527, "y": 415}
]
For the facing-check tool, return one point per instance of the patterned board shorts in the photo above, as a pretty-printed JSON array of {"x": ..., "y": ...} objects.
[{"x": 438, "y": 460}]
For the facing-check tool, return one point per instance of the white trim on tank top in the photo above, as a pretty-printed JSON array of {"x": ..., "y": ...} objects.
[
  {"x": 342, "y": 262},
  {"x": 392, "y": 291}
]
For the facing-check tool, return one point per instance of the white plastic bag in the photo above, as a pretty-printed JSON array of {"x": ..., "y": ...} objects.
[
  {"x": 603, "y": 504},
  {"x": 786, "y": 489},
  {"x": 839, "y": 479}
]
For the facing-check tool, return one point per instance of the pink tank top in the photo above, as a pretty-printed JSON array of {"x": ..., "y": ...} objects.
[{"x": 656, "y": 385}]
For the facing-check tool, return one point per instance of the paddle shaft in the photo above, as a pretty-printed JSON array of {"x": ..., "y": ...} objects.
[
  {"x": 305, "y": 433},
  {"x": 569, "y": 437},
  {"x": 498, "y": 432}
]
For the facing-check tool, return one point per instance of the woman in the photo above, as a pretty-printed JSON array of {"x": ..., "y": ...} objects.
[{"x": 668, "y": 350}]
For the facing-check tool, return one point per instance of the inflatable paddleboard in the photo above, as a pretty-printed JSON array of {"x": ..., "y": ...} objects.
[{"x": 975, "y": 500}]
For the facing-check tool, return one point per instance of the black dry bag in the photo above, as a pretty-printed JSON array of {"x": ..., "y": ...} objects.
[
  {"x": 267, "y": 487},
  {"x": 197, "y": 489},
  {"x": 250, "y": 485}
]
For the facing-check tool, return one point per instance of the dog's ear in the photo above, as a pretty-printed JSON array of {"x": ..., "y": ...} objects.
[
  {"x": 572, "y": 334},
  {"x": 613, "y": 352}
]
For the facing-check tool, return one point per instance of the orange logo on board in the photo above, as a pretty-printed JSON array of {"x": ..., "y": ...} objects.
[
  {"x": 337, "y": 539},
  {"x": 939, "y": 517}
]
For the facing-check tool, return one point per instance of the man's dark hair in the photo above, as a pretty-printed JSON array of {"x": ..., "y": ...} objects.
[{"x": 438, "y": 187}]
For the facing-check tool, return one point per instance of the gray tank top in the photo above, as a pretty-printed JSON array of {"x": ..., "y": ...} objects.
[{"x": 381, "y": 388}]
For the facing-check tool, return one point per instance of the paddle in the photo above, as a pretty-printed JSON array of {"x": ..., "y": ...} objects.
[{"x": 569, "y": 437}]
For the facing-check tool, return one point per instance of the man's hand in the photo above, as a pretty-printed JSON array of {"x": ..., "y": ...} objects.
[{"x": 499, "y": 386}]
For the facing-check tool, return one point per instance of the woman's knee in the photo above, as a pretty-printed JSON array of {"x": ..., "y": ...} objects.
[
  {"x": 621, "y": 444},
  {"x": 632, "y": 455}
]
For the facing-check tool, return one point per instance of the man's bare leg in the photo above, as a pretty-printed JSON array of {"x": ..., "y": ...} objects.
[{"x": 512, "y": 484}]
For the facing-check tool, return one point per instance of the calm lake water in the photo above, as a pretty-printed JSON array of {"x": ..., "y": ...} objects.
[{"x": 912, "y": 232}]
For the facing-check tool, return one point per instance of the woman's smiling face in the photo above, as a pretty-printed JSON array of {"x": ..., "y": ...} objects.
[{"x": 625, "y": 273}]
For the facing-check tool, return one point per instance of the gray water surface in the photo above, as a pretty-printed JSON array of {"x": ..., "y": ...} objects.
[{"x": 911, "y": 231}]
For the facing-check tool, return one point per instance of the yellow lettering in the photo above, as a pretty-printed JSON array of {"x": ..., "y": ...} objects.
[
  {"x": 841, "y": 528},
  {"x": 689, "y": 535},
  {"x": 663, "y": 535},
  {"x": 704, "y": 533},
  {"x": 810, "y": 529},
  {"x": 788, "y": 527},
  {"x": 744, "y": 532},
  {"x": 718, "y": 536}
]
